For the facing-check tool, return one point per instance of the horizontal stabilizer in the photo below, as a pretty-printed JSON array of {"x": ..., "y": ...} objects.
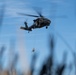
[{"x": 23, "y": 28}]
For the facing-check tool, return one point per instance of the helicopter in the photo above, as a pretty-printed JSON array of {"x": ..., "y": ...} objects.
[{"x": 39, "y": 22}]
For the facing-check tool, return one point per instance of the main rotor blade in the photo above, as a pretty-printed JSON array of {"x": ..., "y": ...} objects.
[
  {"x": 40, "y": 14},
  {"x": 38, "y": 10},
  {"x": 28, "y": 15}
]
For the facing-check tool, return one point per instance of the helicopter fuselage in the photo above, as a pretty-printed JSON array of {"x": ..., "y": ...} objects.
[
  {"x": 38, "y": 23},
  {"x": 41, "y": 22}
]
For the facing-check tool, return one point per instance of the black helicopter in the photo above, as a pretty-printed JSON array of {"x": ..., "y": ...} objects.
[{"x": 40, "y": 22}]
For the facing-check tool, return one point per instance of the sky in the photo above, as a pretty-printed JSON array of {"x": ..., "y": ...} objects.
[{"x": 62, "y": 14}]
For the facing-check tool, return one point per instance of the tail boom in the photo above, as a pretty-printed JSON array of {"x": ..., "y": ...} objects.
[{"x": 24, "y": 28}]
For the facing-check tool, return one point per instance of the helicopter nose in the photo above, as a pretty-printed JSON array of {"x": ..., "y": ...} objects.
[{"x": 49, "y": 21}]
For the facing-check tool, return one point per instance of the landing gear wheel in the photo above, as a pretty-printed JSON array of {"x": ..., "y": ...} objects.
[
  {"x": 32, "y": 29},
  {"x": 46, "y": 27}
]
